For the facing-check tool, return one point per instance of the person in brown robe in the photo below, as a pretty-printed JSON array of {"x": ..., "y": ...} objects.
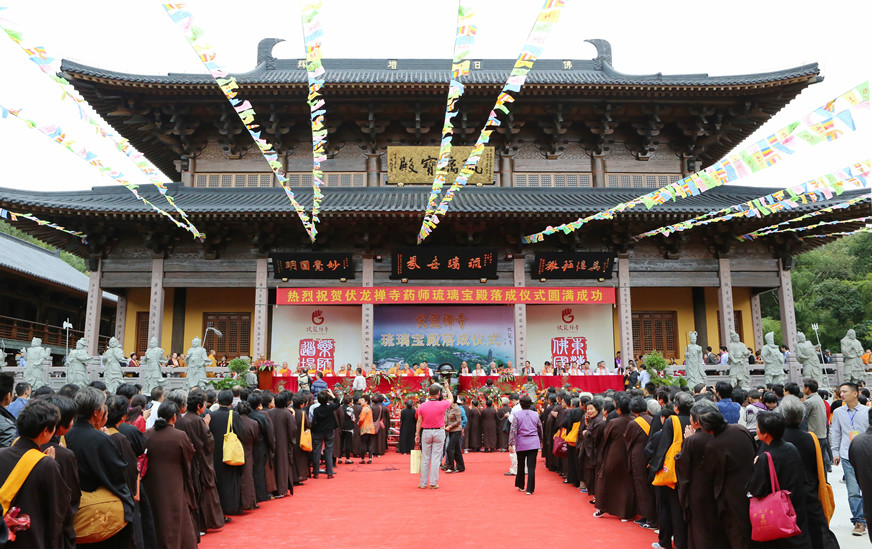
[
  {"x": 44, "y": 496},
  {"x": 302, "y": 458},
  {"x": 695, "y": 486},
  {"x": 614, "y": 484},
  {"x": 473, "y": 427},
  {"x": 548, "y": 431},
  {"x": 209, "y": 513},
  {"x": 168, "y": 481},
  {"x": 729, "y": 461},
  {"x": 636, "y": 437},
  {"x": 286, "y": 438},
  {"x": 268, "y": 403},
  {"x": 66, "y": 459},
  {"x": 502, "y": 435},
  {"x": 338, "y": 416},
  {"x": 592, "y": 444},
  {"x": 247, "y": 436},
  {"x": 379, "y": 418},
  {"x": 489, "y": 423},
  {"x": 559, "y": 413}
]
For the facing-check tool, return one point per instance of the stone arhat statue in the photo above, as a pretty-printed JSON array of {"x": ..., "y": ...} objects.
[
  {"x": 77, "y": 364},
  {"x": 738, "y": 361},
  {"x": 852, "y": 350},
  {"x": 113, "y": 359},
  {"x": 807, "y": 354},
  {"x": 773, "y": 360},
  {"x": 694, "y": 369},
  {"x": 34, "y": 369},
  {"x": 196, "y": 359},
  {"x": 153, "y": 360}
]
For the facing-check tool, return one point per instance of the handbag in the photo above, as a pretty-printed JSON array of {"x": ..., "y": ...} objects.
[
  {"x": 15, "y": 520},
  {"x": 571, "y": 437},
  {"x": 378, "y": 425},
  {"x": 666, "y": 475},
  {"x": 559, "y": 448},
  {"x": 825, "y": 491},
  {"x": 773, "y": 516},
  {"x": 305, "y": 437},
  {"x": 100, "y": 516},
  {"x": 415, "y": 467},
  {"x": 233, "y": 452}
]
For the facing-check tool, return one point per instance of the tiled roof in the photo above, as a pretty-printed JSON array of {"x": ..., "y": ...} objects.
[
  {"x": 24, "y": 257},
  {"x": 437, "y": 71},
  {"x": 470, "y": 200}
]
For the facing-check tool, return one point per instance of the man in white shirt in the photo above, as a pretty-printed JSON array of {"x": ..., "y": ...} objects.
[
  {"x": 515, "y": 403},
  {"x": 644, "y": 376},
  {"x": 725, "y": 357},
  {"x": 157, "y": 396},
  {"x": 359, "y": 383},
  {"x": 601, "y": 369}
]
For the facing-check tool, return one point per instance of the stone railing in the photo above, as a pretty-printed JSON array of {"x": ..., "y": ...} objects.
[{"x": 56, "y": 375}]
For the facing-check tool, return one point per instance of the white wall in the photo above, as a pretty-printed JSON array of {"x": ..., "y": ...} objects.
[
  {"x": 593, "y": 322},
  {"x": 291, "y": 323}
]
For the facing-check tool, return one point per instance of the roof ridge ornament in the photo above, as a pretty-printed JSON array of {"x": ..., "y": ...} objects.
[
  {"x": 603, "y": 52},
  {"x": 264, "y": 52}
]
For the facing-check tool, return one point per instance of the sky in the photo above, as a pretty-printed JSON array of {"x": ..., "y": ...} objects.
[{"x": 670, "y": 37}]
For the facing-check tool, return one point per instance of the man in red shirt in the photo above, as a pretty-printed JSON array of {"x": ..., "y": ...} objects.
[{"x": 430, "y": 433}]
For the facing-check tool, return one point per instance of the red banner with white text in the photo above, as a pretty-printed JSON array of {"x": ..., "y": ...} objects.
[{"x": 453, "y": 295}]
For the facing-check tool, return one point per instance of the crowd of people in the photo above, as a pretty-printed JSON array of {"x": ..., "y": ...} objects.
[
  {"x": 82, "y": 453},
  {"x": 684, "y": 462}
]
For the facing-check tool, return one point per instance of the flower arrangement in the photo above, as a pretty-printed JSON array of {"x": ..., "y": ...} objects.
[{"x": 266, "y": 365}]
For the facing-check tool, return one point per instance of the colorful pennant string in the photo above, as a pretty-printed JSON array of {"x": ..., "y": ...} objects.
[
  {"x": 547, "y": 18},
  {"x": 754, "y": 158},
  {"x": 771, "y": 229},
  {"x": 50, "y": 66},
  {"x": 312, "y": 33},
  {"x": 62, "y": 138},
  {"x": 821, "y": 188},
  {"x": 14, "y": 216},
  {"x": 823, "y": 224},
  {"x": 866, "y": 229},
  {"x": 463, "y": 43},
  {"x": 243, "y": 109}
]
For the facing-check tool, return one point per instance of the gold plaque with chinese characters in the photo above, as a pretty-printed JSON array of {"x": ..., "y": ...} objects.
[{"x": 417, "y": 165}]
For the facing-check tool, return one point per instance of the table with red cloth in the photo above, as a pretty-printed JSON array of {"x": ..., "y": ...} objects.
[
  {"x": 412, "y": 383},
  {"x": 592, "y": 383}
]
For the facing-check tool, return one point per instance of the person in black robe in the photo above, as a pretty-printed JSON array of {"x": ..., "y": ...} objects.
[
  {"x": 247, "y": 436},
  {"x": 669, "y": 515},
  {"x": 286, "y": 438},
  {"x": 268, "y": 403},
  {"x": 44, "y": 496},
  {"x": 264, "y": 447},
  {"x": 695, "y": 485},
  {"x": 407, "y": 429},
  {"x": 99, "y": 461},
  {"x": 355, "y": 433},
  {"x": 473, "y": 427},
  {"x": 489, "y": 422},
  {"x": 592, "y": 438},
  {"x": 575, "y": 415},
  {"x": 819, "y": 531},
  {"x": 788, "y": 469},
  {"x": 116, "y": 414},
  {"x": 66, "y": 459},
  {"x": 615, "y": 493},
  {"x": 210, "y": 516},
  {"x": 346, "y": 434},
  {"x": 548, "y": 430},
  {"x": 502, "y": 433},
  {"x": 228, "y": 478},
  {"x": 561, "y": 410},
  {"x": 636, "y": 437},
  {"x": 381, "y": 421},
  {"x": 860, "y": 451},
  {"x": 302, "y": 458}
]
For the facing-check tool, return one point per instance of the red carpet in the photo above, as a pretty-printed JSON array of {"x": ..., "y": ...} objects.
[{"x": 381, "y": 504}]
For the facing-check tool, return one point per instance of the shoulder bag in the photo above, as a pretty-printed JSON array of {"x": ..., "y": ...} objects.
[
  {"x": 666, "y": 475},
  {"x": 571, "y": 437},
  {"x": 305, "y": 435},
  {"x": 773, "y": 516},
  {"x": 233, "y": 452},
  {"x": 825, "y": 491},
  {"x": 559, "y": 448}
]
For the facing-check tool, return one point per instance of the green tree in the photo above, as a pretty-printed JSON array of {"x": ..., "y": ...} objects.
[{"x": 77, "y": 262}]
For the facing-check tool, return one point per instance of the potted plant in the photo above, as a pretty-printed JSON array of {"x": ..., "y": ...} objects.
[
  {"x": 656, "y": 366},
  {"x": 265, "y": 370}
]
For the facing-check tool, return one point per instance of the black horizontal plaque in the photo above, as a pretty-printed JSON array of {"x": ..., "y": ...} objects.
[
  {"x": 572, "y": 265},
  {"x": 444, "y": 263},
  {"x": 312, "y": 265}
]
